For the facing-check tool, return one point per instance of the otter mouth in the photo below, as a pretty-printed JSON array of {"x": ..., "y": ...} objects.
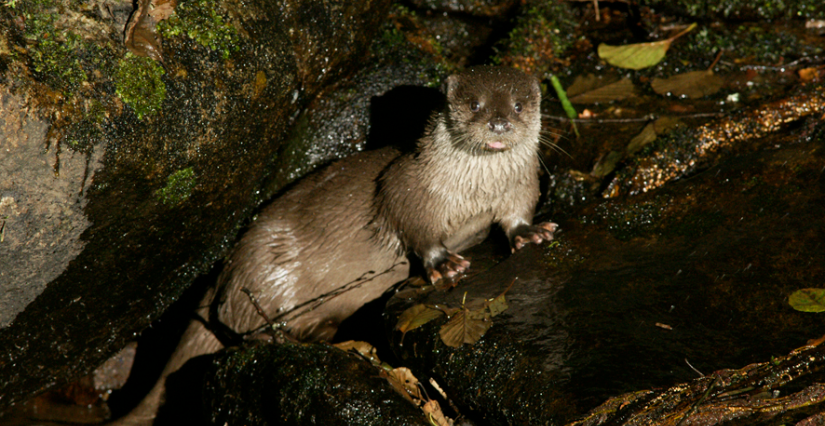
[{"x": 496, "y": 146}]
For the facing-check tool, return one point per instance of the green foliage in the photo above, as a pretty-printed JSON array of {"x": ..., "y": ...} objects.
[
  {"x": 179, "y": 187},
  {"x": 640, "y": 55},
  {"x": 58, "y": 63},
  {"x": 200, "y": 21},
  {"x": 544, "y": 32},
  {"x": 808, "y": 300},
  {"x": 139, "y": 83},
  {"x": 55, "y": 55}
]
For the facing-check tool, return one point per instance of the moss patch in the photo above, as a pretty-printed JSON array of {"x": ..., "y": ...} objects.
[
  {"x": 200, "y": 21},
  {"x": 179, "y": 187},
  {"x": 539, "y": 39},
  {"x": 54, "y": 53},
  {"x": 139, "y": 84}
]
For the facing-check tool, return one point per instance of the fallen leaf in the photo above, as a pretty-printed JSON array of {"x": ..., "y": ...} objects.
[
  {"x": 661, "y": 126},
  {"x": 694, "y": 84},
  {"x": 613, "y": 91},
  {"x": 640, "y": 55},
  {"x": 365, "y": 349},
  {"x": 416, "y": 316},
  {"x": 465, "y": 327},
  {"x": 162, "y": 9},
  {"x": 498, "y": 305},
  {"x": 808, "y": 300},
  {"x": 811, "y": 74},
  {"x": 646, "y": 136},
  {"x": 433, "y": 412},
  {"x": 142, "y": 38},
  {"x": 606, "y": 164},
  {"x": 405, "y": 383}
]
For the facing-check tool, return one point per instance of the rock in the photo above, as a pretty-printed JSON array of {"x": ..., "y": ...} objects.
[
  {"x": 638, "y": 291},
  {"x": 130, "y": 176},
  {"x": 294, "y": 384}
]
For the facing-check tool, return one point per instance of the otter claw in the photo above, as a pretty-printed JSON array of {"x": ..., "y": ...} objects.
[
  {"x": 535, "y": 234},
  {"x": 449, "y": 268}
]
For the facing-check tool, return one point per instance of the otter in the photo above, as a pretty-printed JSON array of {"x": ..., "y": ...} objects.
[{"x": 340, "y": 237}]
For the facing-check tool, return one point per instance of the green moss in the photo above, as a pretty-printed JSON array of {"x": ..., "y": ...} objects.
[
  {"x": 179, "y": 187},
  {"x": 58, "y": 63},
  {"x": 391, "y": 39},
  {"x": 54, "y": 54},
  {"x": 541, "y": 34},
  {"x": 200, "y": 21},
  {"x": 138, "y": 82}
]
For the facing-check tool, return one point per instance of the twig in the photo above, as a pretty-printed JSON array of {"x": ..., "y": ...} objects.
[
  {"x": 646, "y": 118},
  {"x": 258, "y": 307},
  {"x": 694, "y": 368},
  {"x": 320, "y": 300}
]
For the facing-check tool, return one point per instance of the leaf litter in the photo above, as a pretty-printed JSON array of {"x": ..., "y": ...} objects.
[
  {"x": 466, "y": 324},
  {"x": 640, "y": 55}
]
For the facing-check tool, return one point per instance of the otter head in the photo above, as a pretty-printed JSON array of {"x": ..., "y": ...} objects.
[{"x": 492, "y": 109}]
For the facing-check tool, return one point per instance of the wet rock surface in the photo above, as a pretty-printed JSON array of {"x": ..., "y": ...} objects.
[
  {"x": 686, "y": 221},
  {"x": 124, "y": 177},
  {"x": 302, "y": 384},
  {"x": 636, "y": 290}
]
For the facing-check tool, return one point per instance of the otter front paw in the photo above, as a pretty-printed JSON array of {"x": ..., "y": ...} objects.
[
  {"x": 452, "y": 265},
  {"x": 535, "y": 234}
]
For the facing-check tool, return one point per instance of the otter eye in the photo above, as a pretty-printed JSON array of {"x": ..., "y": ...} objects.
[
  {"x": 517, "y": 107},
  {"x": 475, "y": 106}
]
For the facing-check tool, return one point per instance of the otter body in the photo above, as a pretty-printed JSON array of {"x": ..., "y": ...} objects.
[{"x": 340, "y": 237}]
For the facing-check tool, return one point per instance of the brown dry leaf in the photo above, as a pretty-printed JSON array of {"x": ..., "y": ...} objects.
[
  {"x": 162, "y": 9},
  {"x": 586, "y": 83},
  {"x": 142, "y": 38},
  {"x": 433, "y": 412},
  {"x": 811, "y": 74},
  {"x": 465, "y": 327},
  {"x": 661, "y": 126},
  {"x": 595, "y": 93},
  {"x": 415, "y": 317},
  {"x": 365, "y": 349},
  {"x": 498, "y": 305},
  {"x": 646, "y": 136},
  {"x": 694, "y": 84},
  {"x": 606, "y": 164},
  {"x": 405, "y": 383}
]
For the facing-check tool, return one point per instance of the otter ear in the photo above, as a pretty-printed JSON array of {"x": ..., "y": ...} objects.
[
  {"x": 450, "y": 85},
  {"x": 535, "y": 88}
]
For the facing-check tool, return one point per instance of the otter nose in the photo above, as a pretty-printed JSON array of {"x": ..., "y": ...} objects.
[{"x": 499, "y": 125}]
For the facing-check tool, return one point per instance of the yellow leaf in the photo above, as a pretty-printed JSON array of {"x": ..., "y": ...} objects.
[
  {"x": 808, "y": 300},
  {"x": 640, "y": 55},
  {"x": 416, "y": 316}
]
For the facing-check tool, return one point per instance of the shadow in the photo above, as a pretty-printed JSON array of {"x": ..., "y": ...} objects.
[{"x": 400, "y": 116}]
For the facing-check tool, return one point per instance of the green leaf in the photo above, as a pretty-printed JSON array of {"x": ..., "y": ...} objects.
[
  {"x": 808, "y": 300},
  {"x": 416, "y": 316},
  {"x": 640, "y": 55},
  {"x": 565, "y": 103}
]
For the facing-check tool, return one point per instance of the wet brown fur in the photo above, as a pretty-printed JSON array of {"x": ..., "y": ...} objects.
[{"x": 366, "y": 212}]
